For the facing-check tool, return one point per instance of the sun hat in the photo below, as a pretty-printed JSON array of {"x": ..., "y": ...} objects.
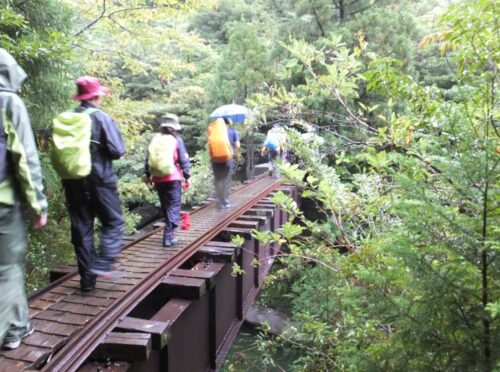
[
  {"x": 170, "y": 121},
  {"x": 89, "y": 87}
]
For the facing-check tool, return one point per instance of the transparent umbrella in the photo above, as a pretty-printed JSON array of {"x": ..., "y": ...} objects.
[{"x": 237, "y": 113}]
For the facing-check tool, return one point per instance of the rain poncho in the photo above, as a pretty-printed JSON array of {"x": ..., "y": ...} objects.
[{"x": 26, "y": 178}]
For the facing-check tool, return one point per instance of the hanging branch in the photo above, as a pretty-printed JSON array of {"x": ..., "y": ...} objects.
[
  {"x": 112, "y": 13},
  {"x": 93, "y": 22},
  {"x": 318, "y": 21}
]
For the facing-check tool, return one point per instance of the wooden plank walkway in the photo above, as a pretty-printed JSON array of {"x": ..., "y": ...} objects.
[{"x": 64, "y": 311}]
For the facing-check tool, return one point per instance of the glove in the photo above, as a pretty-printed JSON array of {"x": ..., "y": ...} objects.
[
  {"x": 185, "y": 222},
  {"x": 41, "y": 221}
]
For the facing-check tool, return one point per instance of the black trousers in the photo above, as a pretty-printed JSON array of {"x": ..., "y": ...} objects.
[
  {"x": 86, "y": 201},
  {"x": 170, "y": 199}
]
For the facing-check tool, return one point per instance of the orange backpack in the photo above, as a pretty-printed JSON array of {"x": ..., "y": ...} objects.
[{"x": 218, "y": 142}]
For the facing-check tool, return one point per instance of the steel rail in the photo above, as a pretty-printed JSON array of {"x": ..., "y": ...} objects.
[
  {"x": 80, "y": 346},
  {"x": 35, "y": 295}
]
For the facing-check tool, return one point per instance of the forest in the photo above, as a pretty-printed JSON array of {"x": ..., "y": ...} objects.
[{"x": 391, "y": 109}]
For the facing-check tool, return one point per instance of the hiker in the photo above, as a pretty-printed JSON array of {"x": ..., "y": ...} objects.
[
  {"x": 222, "y": 143},
  {"x": 20, "y": 180},
  {"x": 274, "y": 145},
  {"x": 167, "y": 163},
  {"x": 96, "y": 193}
]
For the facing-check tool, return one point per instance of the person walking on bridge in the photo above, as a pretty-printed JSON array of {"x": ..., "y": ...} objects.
[
  {"x": 223, "y": 169},
  {"x": 96, "y": 195},
  {"x": 274, "y": 144},
  {"x": 167, "y": 162},
  {"x": 20, "y": 180}
]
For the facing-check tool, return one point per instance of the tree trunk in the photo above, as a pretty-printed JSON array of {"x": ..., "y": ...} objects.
[
  {"x": 250, "y": 168},
  {"x": 341, "y": 10}
]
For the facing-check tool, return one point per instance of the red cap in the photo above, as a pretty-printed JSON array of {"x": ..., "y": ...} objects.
[{"x": 89, "y": 87}]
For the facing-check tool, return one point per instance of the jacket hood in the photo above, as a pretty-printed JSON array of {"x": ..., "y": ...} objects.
[{"x": 11, "y": 74}]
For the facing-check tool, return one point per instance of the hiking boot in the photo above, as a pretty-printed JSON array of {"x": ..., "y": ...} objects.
[
  {"x": 108, "y": 274},
  {"x": 88, "y": 284},
  {"x": 168, "y": 237},
  {"x": 13, "y": 343}
]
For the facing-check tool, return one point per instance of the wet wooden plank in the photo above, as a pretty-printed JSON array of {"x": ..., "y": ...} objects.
[
  {"x": 73, "y": 308},
  {"x": 104, "y": 293},
  {"x": 55, "y": 328},
  {"x": 198, "y": 274},
  {"x": 40, "y": 339},
  {"x": 186, "y": 288},
  {"x": 63, "y": 317},
  {"x": 130, "y": 267},
  {"x": 218, "y": 254},
  {"x": 214, "y": 243},
  {"x": 110, "y": 286},
  {"x": 124, "y": 346},
  {"x": 33, "y": 312},
  {"x": 159, "y": 331},
  {"x": 245, "y": 224},
  {"x": 63, "y": 290},
  {"x": 8, "y": 365},
  {"x": 88, "y": 300},
  {"x": 149, "y": 262},
  {"x": 40, "y": 304},
  {"x": 49, "y": 296},
  {"x": 172, "y": 310},
  {"x": 260, "y": 212},
  {"x": 29, "y": 354},
  {"x": 127, "y": 280}
]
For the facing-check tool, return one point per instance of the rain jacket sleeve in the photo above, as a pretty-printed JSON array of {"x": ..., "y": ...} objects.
[
  {"x": 183, "y": 158},
  {"x": 113, "y": 138},
  {"x": 23, "y": 152}
]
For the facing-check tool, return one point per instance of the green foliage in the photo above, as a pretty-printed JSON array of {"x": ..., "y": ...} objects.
[
  {"x": 244, "y": 65},
  {"x": 36, "y": 34},
  {"x": 201, "y": 180},
  {"x": 397, "y": 270},
  {"x": 49, "y": 247},
  {"x": 405, "y": 278}
]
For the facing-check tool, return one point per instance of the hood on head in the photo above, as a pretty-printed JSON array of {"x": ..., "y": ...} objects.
[{"x": 11, "y": 74}]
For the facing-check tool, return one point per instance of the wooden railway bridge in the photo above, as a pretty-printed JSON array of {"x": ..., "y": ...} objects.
[{"x": 178, "y": 309}]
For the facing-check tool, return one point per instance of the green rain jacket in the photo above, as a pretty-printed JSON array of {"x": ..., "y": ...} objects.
[{"x": 25, "y": 181}]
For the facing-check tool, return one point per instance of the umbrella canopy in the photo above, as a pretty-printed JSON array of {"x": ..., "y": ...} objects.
[{"x": 237, "y": 113}]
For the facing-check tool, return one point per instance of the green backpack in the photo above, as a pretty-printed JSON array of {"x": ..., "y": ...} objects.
[
  {"x": 71, "y": 132},
  {"x": 161, "y": 155}
]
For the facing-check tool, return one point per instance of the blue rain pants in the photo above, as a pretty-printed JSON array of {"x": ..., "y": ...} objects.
[{"x": 170, "y": 199}]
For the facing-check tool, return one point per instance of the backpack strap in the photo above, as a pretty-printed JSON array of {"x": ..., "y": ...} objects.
[
  {"x": 4, "y": 156},
  {"x": 5, "y": 163},
  {"x": 90, "y": 110}
]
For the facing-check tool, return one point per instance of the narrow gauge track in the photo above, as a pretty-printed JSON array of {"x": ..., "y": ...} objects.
[
  {"x": 87, "y": 319},
  {"x": 73, "y": 273}
]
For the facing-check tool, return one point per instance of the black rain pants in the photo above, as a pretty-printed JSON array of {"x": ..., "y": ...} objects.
[{"x": 86, "y": 201}]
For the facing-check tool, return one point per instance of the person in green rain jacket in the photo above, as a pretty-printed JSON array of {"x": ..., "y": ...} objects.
[{"x": 20, "y": 181}]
